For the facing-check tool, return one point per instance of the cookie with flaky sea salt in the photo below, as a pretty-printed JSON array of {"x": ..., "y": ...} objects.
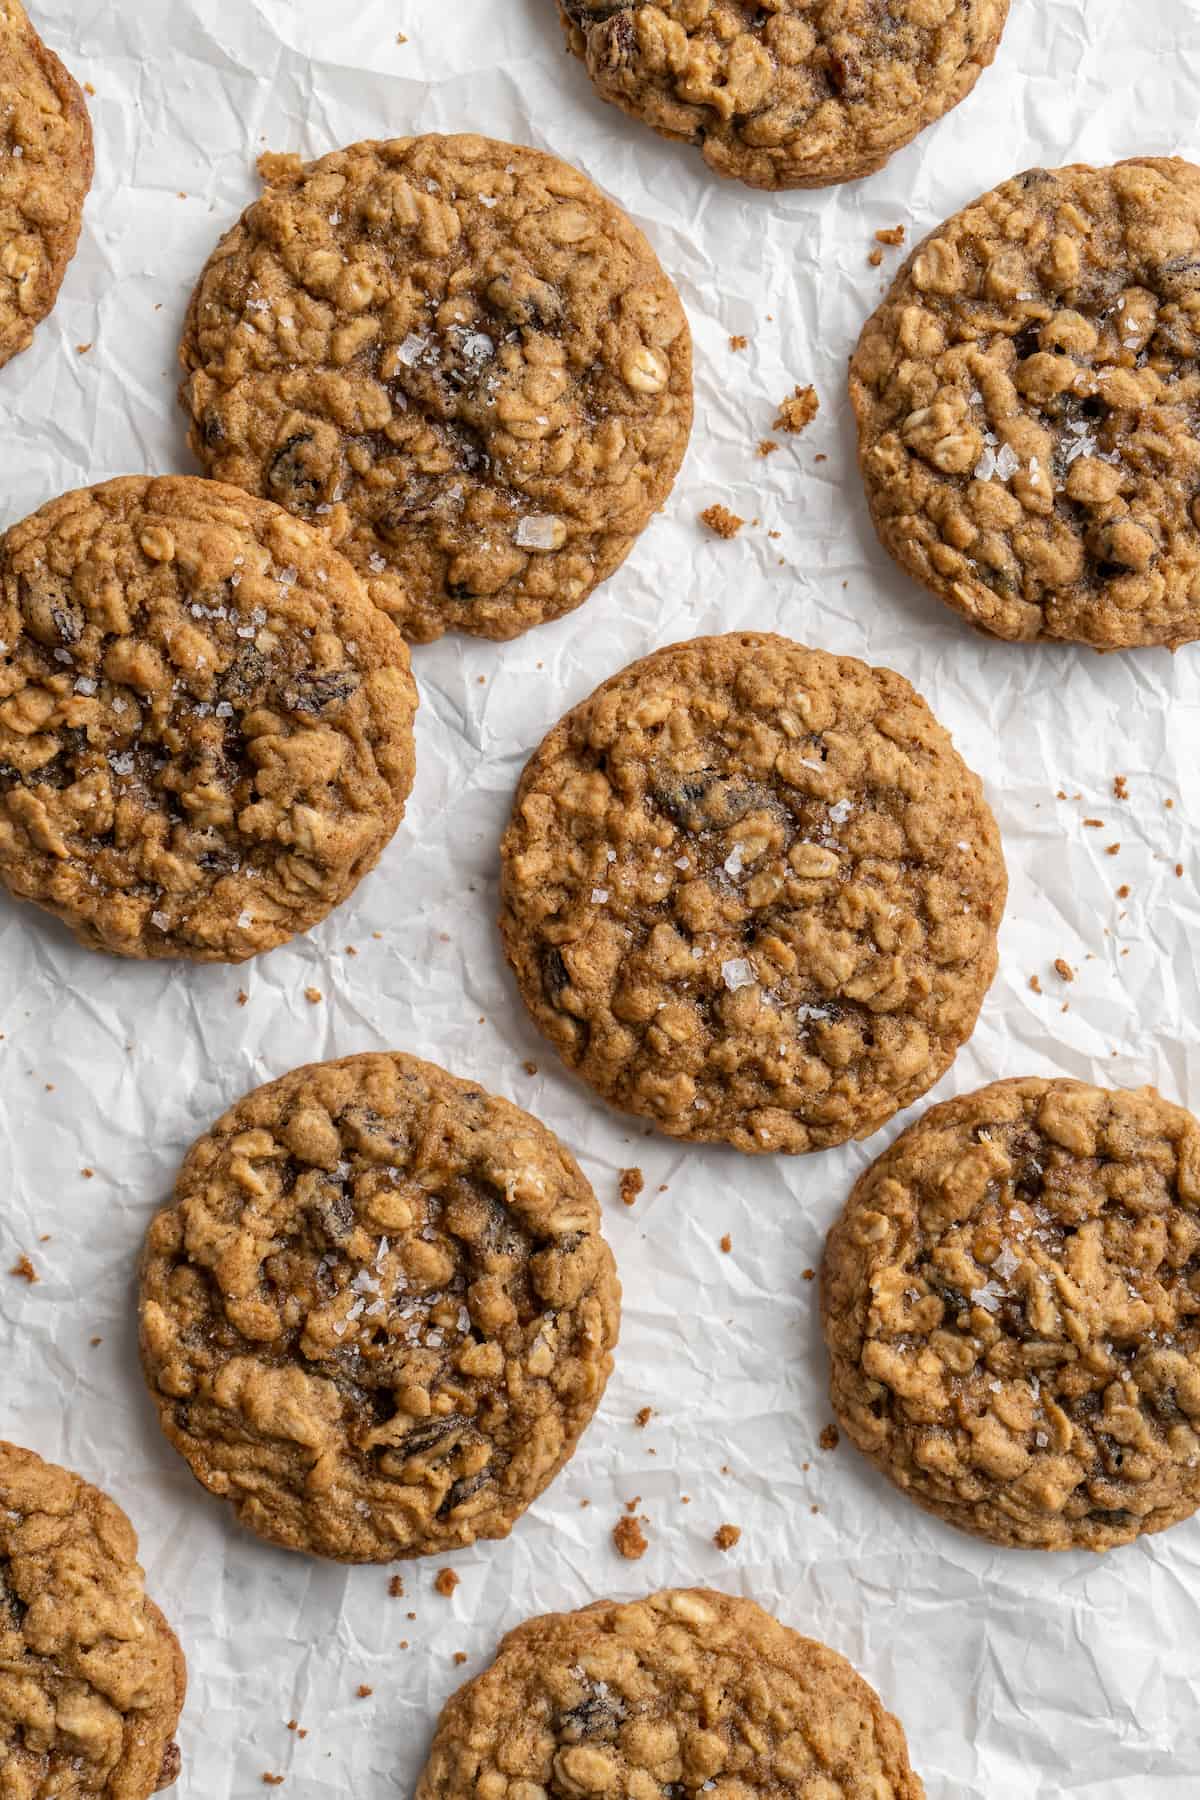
[
  {"x": 1011, "y": 1301},
  {"x": 458, "y": 355},
  {"x": 786, "y": 93},
  {"x": 751, "y": 892},
  {"x": 685, "y": 1692},
  {"x": 380, "y": 1312},
  {"x": 1027, "y": 397},
  {"x": 92, "y": 1678},
  {"x": 45, "y": 172},
  {"x": 205, "y": 726}
]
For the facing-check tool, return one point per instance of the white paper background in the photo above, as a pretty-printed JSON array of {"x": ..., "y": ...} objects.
[{"x": 1017, "y": 1677}]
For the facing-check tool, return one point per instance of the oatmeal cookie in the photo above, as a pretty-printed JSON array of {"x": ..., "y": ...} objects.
[
  {"x": 786, "y": 93},
  {"x": 93, "y": 1678},
  {"x": 1028, "y": 402},
  {"x": 45, "y": 172},
  {"x": 751, "y": 892},
  {"x": 685, "y": 1692},
  {"x": 205, "y": 726},
  {"x": 380, "y": 1312},
  {"x": 460, "y": 357},
  {"x": 1011, "y": 1301}
]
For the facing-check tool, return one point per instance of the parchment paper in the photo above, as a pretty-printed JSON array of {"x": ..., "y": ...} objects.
[{"x": 1017, "y": 1677}]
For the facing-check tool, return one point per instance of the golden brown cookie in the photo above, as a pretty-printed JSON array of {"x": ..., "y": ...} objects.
[
  {"x": 205, "y": 726},
  {"x": 1027, "y": 400},
  {"x": 92, "y": 1678},
  {"x": 1011, "y": 1301},
  {"x": 751, "y": 892},
  {"x": 45, "y": 172},
  {"x": 460, "y": 357},
  {"x": 684, "y": 1693},
  {"x": 786, "y": 93},
  {"x": 380, "y": 1312}
]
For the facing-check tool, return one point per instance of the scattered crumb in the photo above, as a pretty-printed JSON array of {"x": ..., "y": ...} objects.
[
  {"x": 1112, "y": 849},
  {"x": 808, "y": 1274},
  {"x": 445, "y": 1582},
  {"x": 725, "y": 1469},
  {"x": 88, "y": 1174},
  {"x": 685, "y": 1499},
  {"x": 891, "y": 234},
  {"x": 875, "y": 257},
  {"x": 814, "y": 1509},
  {"x": 830, "y": 1437},
  {"x": 396, "y": 1587},
  {"x": 400, "y": 38},
  {"x": 410, "y": 1615},
  {"x": 404, "y": 1643},
  {"x": 585, "y": 1503},
  {"x": 49, "y": 1087},
  {"x": 82, "y": 349},
  {"x": 644, "y": 1417},
  {"x": 481, "y": 680},
  {"x": 44, "y": 1238},
  {"x": 726, "y": 1536},
  {"x": 738, "y": 342},
  {"x": 89, "y": 90},
  {"x": 95, "y": 1341},
  {"x": 767, "y": 446},
  {"x": 1065, "y": 1007},
  {"x": 632, "y": 1182},
  {"x": 1035, "y": 984},
  {"x": 350, "y": 950},
  {"x": 727, "y": 1243},
  {"x": 460, "y": 1657},
  {"x": 1063, "y": 969},
  {"x": 632, "y": 1505},
  {"x": 719, "y": 519},
  {"x": 1123, "y": 891},
  {"x": 1096, "y": 824},
  {"x": 25, "y": 1270},
  {"x": 314, "y": 996},
  {"x": 377, "y": 934},
  {"x": 798, "y": 411},
  {"x": 1168, "y": 804},
  {"x": 775, "y": 534},
  {"x": 530, "y": 1068},
  {"x": 630, "y": 1539},
  {"x": 363, "y": 1691},
  {"x": 272, "y": 1780},
  {"x": 1179, "y": 868},
  {"x": 823, "y": 458},
  {"x": 242, "y": 997},
  {"x": 1120, "y": 788}
]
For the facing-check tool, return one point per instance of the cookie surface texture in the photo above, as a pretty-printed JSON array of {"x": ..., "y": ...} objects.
[
  {"x": 1010, "y": 1301},
  {"x": 380, "y": 1312},
  {"x": 205, "y": 726},
  {"x": 460, "y": 357},
  {"x": 46, "y": 165},
  {"x": 787, "y": 94},
  {"x": 685, "y": 1692},
  {"x": 751, "y": 891},
  {"x": 93, "y": 1678},
  {"x": 1026, "y": 399}
]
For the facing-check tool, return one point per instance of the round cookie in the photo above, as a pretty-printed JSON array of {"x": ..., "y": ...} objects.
[
  {"x": 458, "y": 355},
  {"x": 1027, "y": 398},
  {"x": 93, "y": 1677},
  {"x": 751, "y": 891},
  {"x": 46, "y": 166},
  {"x": 786, "y": 93},
  {"x": 205, "y": 726},
  {"x": 1011, "y": 1302},
  {"x": 380, "y": 1312},
  {"x": 683, "y": 1693}
]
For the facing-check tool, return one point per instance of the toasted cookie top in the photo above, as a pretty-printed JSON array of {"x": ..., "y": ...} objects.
[
  {"x": 1028, "y": 398},
  {"x": 1011, "y": 1304},
  {"x": 750, "y": 891},
  {"x": 685, "y": 1692},
  {"x": 92, "y": 1677},
  {"x": 457, "y": 354},
  {"x": 786, "y": 93},
  {"x": 205, "y": 726},
  {"x": 45, "y": 173},
  {"x": 380, "y": 1312}
]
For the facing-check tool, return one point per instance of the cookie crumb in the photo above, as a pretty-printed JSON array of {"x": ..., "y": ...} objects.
[
  {"x": 1112, "y": 849},
  {"x": 363, "y": 1691},
  {"x": 890, "y": 234},
  {"x": 799, "y": 410},
  {"x": 632, "y": 1181},
  {"x": 396, "y": 1587},
  {"x": 314, "y": 996},
  {"x": 720, "y": 520},
  {"x": 738, "y": 342},
  {"x": 630, "y": 1539},
  {"x": 830, "y": 1437},
  {"x": 727, "y": 1243},
  {"x": 89, "y": 90},
  {"x": 1120, "y": 788},
  {"x": 400, "y": 38},
  {"x": 808, "y": 1274},
  {"x": 445, "y": 1582},
  {"x": 875, "y": 257},
  {"x": 272, "y": 1780},
  {"x": 1095, "y": 824},
  {"x": 242, "y": 997},
  {"x": 1035, "y": 984},
  {"x": 1063, "y": 969},
  {"x": 95, "y": 1341},
  {"x": 530, "y": 1067},
  {"x": 643, "y": 1417},
  {"x": 88, "y": 1174},
  {"x": 460, "y": 1657},
  {"x": 24, "y": 1270},
  {"x": 632, "y": 1505},
  {"x": 350, "y": 950},
  {"x": 726, "y": 1536},
  {"x": 767, "y": 447},
  {"x": 82, "y": 349},
  {"x": 1179, "y": 868},
  {"x": 1124, "y": 891}
]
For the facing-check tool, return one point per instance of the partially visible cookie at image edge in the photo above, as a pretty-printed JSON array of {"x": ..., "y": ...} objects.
[
  {"x": 93, "y": 1677},
  {"x": 788, "y": 94},
  {"x": 1011, "y": 1300},
  {"x": 460, "y": 357},
  {"x": 750, "y": 891},
  {"x": 1027, "y": 398},
  {"x": 380, "y": 1312},
  {"x": 205, "y": 726}
]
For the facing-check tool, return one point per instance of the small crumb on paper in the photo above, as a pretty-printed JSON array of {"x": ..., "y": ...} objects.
[
  {"x": 630, "y": 1539},
  {"x": 799, "y": 410},
  {"x": 445, "y": 1582},
  {"x": 738, "y": 342},
  {"x": 830, "y": 1437},
  {"x": 1035, "y": 984},
  {"x": 363, "y": 1691},
  {"x": 1063, "y": 969},
  {"x": 767, "y": 446},
  {"x": 720, "y": 520},
  {"x": 725, "y": 1537},
  {"x": 631, "y": 1181},
  {"x": 24, "y": 1270},
  {"x": 727, "y": 1243},
  {"x": 396, "y": 1587},
  {"x": 460, "y": 1657},
  {"x": 644, "y": 1417},
  {"x": 1120, "y": 788},
  {"x": 313, "y": 995}
]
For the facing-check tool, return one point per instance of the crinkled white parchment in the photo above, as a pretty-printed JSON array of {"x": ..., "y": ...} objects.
[{"x": 1017, "y": 1676}]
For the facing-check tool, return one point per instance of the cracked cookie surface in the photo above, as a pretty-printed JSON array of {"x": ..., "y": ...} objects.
[
  {"x": 45, "y": 172},
  {"x": 1028, "y": 402},
  {"x": 461, "y": 358},
  {"x": 751, "y": 891},
  {"x": 786, "y": 93},
  {"x": 92, "y": 1678},
  {"x": 205, "y": 726},
  {"x": 1011, "y": 1302},
  {"x": 380, "y": 1312},
  {"x": 688, "y": 1691}
]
